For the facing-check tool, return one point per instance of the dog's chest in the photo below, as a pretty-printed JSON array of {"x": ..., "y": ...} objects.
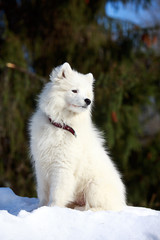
[{"x": 61, "y": 145}]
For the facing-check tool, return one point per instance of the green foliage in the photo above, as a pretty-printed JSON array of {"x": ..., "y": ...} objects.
[
  {"x": 18, "y": 100},
  {"x": 17, "y": 97},
  {"x": 125, "y": 89},
  {"x": 126, "y": 80}
]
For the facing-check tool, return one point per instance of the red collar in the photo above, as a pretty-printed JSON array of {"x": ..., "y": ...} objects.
[{"x": 64, "y": 126}]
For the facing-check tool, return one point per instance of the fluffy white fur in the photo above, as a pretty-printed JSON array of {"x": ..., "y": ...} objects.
[{"x": 69, "y": 169}]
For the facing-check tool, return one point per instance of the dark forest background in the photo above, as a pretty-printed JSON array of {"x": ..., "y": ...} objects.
[{"x": 37, "y": 35}]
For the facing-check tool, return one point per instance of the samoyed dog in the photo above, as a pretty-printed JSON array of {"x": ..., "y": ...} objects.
[{"x": 71, "y": 164}]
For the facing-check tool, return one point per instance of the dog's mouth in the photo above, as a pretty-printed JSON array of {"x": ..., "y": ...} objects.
[{"x": 76, "y": 106}]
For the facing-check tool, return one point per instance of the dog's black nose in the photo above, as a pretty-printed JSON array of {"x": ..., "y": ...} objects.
[{"x": 87, "y": 101}]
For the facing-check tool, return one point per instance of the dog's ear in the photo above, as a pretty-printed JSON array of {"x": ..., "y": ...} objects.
[
  {"x": 65, "y": 70},
  {"x": 90, "y": 77},
  {"x": 61, "y": 72}
]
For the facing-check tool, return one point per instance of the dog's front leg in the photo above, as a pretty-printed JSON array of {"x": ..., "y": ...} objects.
[{"x": 61, "y": 188}]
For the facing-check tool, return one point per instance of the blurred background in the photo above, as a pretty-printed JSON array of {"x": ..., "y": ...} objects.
[{"x": 119, "y": 42}]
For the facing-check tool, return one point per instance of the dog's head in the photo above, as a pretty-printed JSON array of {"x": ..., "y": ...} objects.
[{"x": 67, "y": 90}]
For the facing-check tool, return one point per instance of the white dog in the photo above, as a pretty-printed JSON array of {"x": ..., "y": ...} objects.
[{"x": 71, "y": 164}]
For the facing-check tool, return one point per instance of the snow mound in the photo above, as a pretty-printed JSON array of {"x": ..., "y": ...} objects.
[
  {"x": 20, "y": 218},
  {"x": 14, "y": 204}
]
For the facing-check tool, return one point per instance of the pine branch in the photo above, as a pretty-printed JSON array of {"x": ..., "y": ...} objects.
[{"x": 23, "y": 70}]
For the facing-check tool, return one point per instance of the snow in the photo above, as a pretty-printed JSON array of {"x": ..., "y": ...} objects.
[{"x": 21, "y": 219}]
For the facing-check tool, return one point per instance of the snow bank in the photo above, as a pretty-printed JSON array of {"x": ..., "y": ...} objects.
[{"x": 20, "y": 219}]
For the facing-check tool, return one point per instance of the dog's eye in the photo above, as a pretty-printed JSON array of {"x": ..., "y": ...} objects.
[{"x": 74, "y": 91}]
